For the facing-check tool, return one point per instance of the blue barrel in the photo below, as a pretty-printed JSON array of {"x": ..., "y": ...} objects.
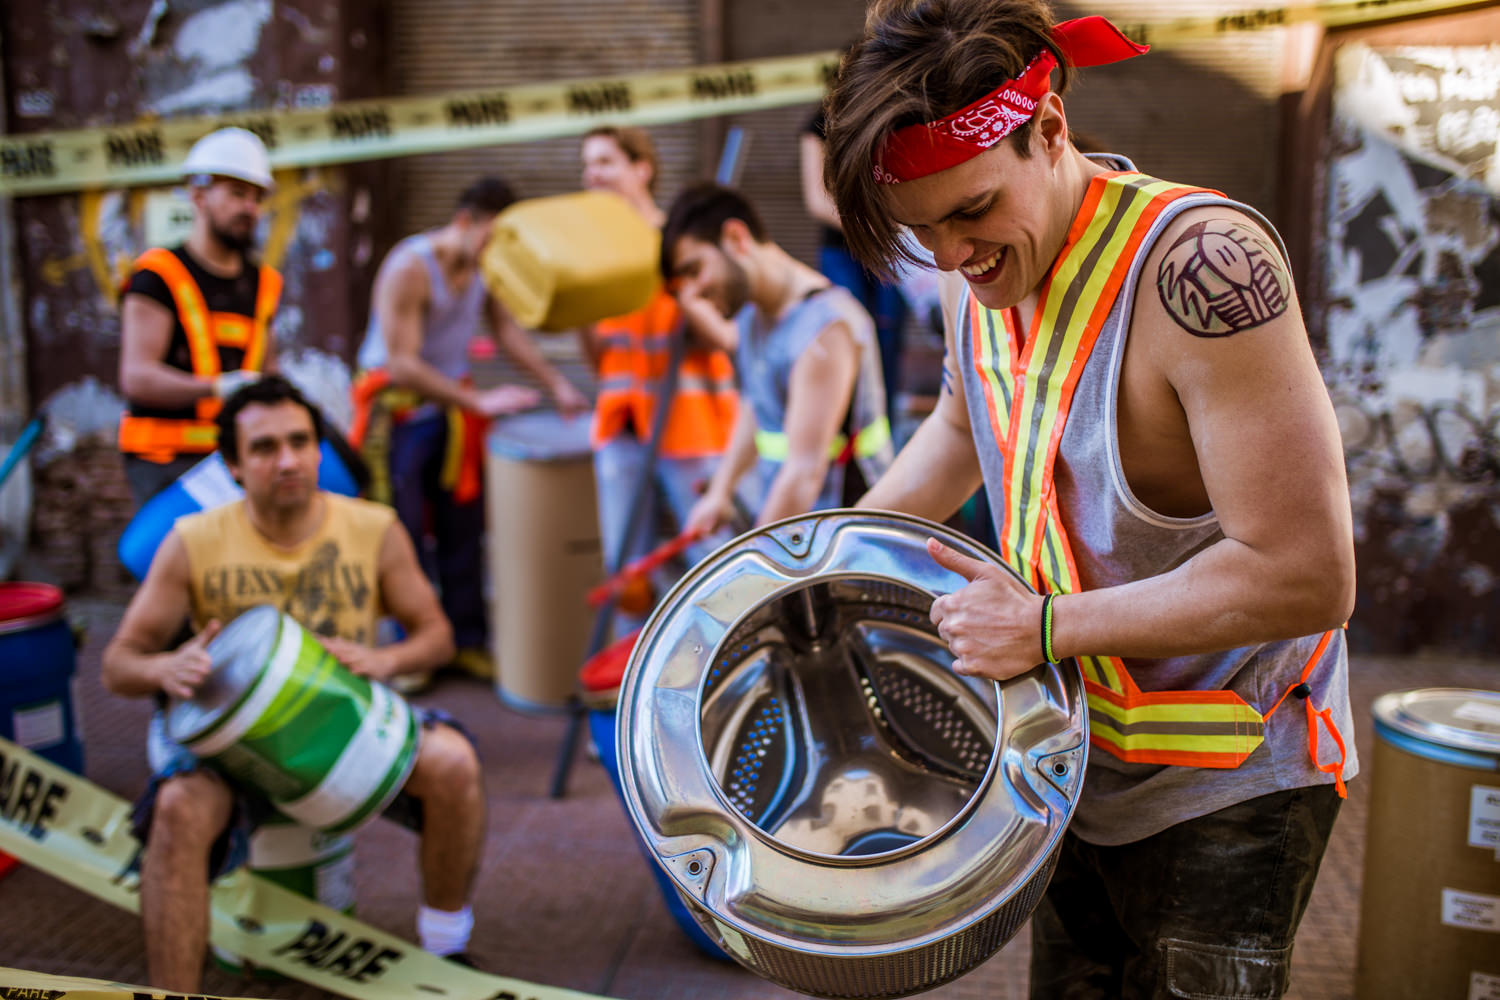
[
  {"x": 602, "y": 730},
  {"x": 203, "y": 487},
  {"x": 37, "y": 660}
]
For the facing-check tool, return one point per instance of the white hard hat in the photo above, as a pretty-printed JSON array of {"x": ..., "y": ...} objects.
[{"x": 230, "y": 152}]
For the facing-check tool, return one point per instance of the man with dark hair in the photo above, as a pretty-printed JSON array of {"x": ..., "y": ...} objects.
[
  {"x": 808, "y": 362},
  {"x": 1128, "y": 374},
  {"x": 332, "y": 563},
  {"x": 632, "y": 355},
  {"x": 419, "y": 419},
  {"x": 195, "y": 321}
]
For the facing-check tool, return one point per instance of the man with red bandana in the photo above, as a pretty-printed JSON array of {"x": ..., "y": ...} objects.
[{"x": 1128, "y": 374}]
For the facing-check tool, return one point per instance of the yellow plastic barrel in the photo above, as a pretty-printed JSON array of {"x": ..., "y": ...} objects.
[
  {"x": 1430, "y": 906},
  {"x": 567, "y": 260}
]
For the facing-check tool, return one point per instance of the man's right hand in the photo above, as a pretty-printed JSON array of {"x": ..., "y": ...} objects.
[
  {"x": 183, "y": 669},
  {"x": 504, "y": 399},
  {"x": 708, "y": 515}
]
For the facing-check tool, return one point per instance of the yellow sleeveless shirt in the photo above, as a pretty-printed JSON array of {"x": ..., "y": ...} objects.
[{"x": 330, "y": 583}]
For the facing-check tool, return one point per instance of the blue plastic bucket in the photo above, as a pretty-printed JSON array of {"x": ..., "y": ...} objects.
[
  {"x": 37, "y": 661},
  {"x": 206, "y": 485},
  {"x": 602, "y": 729}
]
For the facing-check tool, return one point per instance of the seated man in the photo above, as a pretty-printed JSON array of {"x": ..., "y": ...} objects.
[
  {"x": 808, "y": 362},
  {"x": 318, "y": 549}
]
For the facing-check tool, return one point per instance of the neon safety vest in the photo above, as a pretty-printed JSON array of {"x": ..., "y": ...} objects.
[
  {"x": 160, "y": 439},
  {"x": 635, "y": 351},
  {"x": 1028, "y": 389}
]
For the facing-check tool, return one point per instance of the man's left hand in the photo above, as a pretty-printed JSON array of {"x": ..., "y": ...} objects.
[
  {"x": 373, "y": 662},
  {"x": 992, "y": 625}
]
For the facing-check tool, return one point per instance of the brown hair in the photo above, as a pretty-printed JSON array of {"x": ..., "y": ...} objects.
[
  {"x": 635, "y": 143},
  {"x": 918, "y": 61}
]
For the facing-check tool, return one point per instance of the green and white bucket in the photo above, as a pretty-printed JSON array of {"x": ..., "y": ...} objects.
[
  {"x": 308, "y": 862},
  {"x": 281, "y": 714}
]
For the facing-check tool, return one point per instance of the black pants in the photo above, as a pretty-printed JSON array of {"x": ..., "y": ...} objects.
[
  {"x": 457, "y": 564},
  {"x": 1206, "y": 908}
]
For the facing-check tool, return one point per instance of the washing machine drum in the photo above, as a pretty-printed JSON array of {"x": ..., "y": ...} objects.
[{"x": 842, "y": 812}]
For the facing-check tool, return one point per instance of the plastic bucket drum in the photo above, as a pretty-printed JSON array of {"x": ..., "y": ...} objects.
[
  {"x": 1430, "y": 907},
  {"x": 599, "y": 681},
  {"x": 300, "y": 859},
  {"x": 279, "y": 713},
  {"x": 203, "y": 487},
  {"x": 37, "y": 660}
]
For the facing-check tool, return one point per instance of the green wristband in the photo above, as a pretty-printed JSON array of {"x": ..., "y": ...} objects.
[{"x": 1047, "y": 629}]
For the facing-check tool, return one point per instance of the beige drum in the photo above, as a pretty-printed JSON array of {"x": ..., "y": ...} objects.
[
  {"x": 1430, "y": 911},
  {"x": 543, "y": 531}
]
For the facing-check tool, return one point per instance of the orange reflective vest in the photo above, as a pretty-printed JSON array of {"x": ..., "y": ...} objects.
[
  {"x": 1028, "y": 388},
  {"x": 379, "y": 405},
  {"x": 635, "y": 352},
  {"x": 160, "y": 439}
]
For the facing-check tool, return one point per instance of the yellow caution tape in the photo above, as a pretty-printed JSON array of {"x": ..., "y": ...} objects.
[
  {"x": 1341, "y": 14},
  {"x": 58, "y": 822},
  {"x": 153, "y": 152},
  {"x": 18, "y": 984}
]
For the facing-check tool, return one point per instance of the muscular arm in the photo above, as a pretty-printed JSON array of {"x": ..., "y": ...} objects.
[
  {"x": 411, "y": 600},
  {"x": 815, "y": 197},
  {"x": 145, "y": 377},
  {"x": 1268, "y": 452},
  {"x": 137, "y": 660},
  {"x": 938, "y": 469},
  {"x": 818, "y": 395},
  {"x": 401, "y": 294},
  {"x": 523, "y": 350}
]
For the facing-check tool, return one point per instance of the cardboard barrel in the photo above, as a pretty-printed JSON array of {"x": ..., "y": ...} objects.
[
  {"x": 279, "y": 713},
  {"x": 543, "y": 537},
  {"x": 1430, "y": 909}
]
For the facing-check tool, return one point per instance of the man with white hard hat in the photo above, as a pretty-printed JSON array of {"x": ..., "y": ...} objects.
[{"x": 195, "y": 320}]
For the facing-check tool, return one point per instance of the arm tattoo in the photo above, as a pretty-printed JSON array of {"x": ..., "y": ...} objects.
[{"x": 1222, "y": 277}]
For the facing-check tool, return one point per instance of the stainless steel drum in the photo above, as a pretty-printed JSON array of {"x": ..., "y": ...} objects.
[{"x": 845, "y": 815}]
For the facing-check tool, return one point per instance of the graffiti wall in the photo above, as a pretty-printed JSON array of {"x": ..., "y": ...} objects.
[
  {"x": 72, "y": 64},
  {"x": 1413, "y": 328}
]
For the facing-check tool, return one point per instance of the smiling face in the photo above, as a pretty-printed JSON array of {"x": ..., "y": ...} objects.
[
  {"x": 1000, "y": 219},
  {"x": 607, "y": 167}
]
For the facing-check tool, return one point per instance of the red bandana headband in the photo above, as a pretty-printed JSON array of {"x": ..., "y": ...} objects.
[{"x": 918, "y": 150}]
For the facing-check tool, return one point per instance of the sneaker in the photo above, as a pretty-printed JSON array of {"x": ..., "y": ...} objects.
[
  {"x": 474, "y": 661},
  {"x": 411, "y": 683}
]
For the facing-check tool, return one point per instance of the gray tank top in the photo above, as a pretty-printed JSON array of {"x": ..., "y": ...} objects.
[
  {"x": 766, "y": 356},
  {"x": 1116, "y": 539},
  {"x": 451, "y": 321}
]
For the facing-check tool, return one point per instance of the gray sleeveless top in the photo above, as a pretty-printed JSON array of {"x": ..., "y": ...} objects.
[
  {"x": 1116, "y": 539},
  {"x": 451, "y": 321},
  {"x": 766, "y": 355}
]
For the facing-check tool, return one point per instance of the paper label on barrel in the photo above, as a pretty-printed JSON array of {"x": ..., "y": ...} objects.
[
  {"x": 39, "y": 726},
  {"x": 1484, "y": 816},
  {"x": 1483, "y": 986},
  {"x": 1473, "y": 911}
]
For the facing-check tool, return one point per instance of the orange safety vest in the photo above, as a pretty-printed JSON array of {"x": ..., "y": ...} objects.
[
  {"x": 160, "y": 439},
  {"x": 378, "y": 405},
  {"x": 635, "y": 352},
  {"x": 1028, "y": 390}
]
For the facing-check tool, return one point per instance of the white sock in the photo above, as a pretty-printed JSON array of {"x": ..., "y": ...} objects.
[{"x": 444, "y": 932}]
